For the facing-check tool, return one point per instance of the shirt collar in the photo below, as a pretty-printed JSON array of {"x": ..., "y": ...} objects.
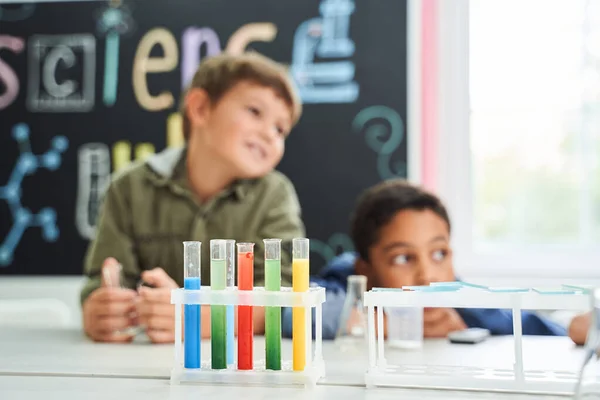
[{"x": 170, "y": 168}]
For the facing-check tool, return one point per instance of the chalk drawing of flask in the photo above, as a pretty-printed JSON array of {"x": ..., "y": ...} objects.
[{"x": 94, "y": 177}]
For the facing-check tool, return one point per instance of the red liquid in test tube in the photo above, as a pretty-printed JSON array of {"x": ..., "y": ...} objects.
[{"x": 245, "y": 317}]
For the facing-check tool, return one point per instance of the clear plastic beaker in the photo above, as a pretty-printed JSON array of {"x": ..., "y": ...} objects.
[{"x": 404, "y": 327}]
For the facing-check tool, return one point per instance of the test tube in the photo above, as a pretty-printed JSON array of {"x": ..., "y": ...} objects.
[
  {"x": 245, "y": 317},
  {"x": 112, "y": 276},
  {"x": 218, "y": 317},
  {"x": 191, "y": 324},
  {"x": 230, "y": 250},
  {"x": 273, "y": 314},
  {"x": 300, "y": 273}
]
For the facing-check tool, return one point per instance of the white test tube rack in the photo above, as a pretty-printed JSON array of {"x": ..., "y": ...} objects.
[
  {"x": 518, "y": 380},
  {"x": 259, "y": 375}
]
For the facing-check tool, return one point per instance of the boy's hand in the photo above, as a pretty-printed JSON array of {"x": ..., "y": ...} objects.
[
  {"x": 578, "y": 329},
  {"x": 154, "y": 306},
  {"x": 109, "y": 308},
  {"x": 439, "y": 322}
]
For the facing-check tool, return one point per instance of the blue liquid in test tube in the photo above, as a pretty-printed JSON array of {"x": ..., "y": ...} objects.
[{"x": 191, "y": 340}]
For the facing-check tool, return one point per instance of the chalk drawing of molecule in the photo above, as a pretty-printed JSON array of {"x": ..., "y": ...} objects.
[{"x": 27, "y": 164}]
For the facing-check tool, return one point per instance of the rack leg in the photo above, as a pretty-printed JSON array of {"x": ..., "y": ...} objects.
[
  {"x": 371, "y": 335},
  {"x": 380, "y": 337},
  {"x": 518, "y": 337},
  {"x": 318, "y": 333},
  {"x": 178, "y": 322},
  {"x": 308, "y": 335}
]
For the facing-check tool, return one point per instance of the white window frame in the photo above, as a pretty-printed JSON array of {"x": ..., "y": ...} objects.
[
  {"x": 548, "y": 264},
  {"x": 413, "y": 84}
]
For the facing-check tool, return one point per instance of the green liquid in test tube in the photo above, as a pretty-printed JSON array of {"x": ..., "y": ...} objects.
[
  {"x": 218, "y": 313},
  {"x": 273, "y": 314}
]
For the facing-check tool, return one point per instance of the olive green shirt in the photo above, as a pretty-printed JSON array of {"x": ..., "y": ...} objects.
[{"x": 150, "y": 209}]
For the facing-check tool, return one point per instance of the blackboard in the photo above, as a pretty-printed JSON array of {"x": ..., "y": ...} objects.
[{"x": 75, "y": 106}]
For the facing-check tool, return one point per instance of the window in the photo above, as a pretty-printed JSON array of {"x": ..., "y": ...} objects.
[{"x": 533, "y": 137}]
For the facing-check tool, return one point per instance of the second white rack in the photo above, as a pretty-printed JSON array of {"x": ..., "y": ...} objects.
[{"x": 463, "y": 295}]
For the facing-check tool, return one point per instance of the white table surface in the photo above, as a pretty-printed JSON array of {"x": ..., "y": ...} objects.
[
  {"x": 47, "y": 356},
  {"x": 77, "y": 388},
  {"x": 69, "y": 352}
]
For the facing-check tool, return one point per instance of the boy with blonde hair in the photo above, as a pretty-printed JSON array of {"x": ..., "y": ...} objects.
[{"x": 237, "y": 114}]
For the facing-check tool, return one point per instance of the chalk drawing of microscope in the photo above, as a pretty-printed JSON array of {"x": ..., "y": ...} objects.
[{"x": 326, "y": 37}]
